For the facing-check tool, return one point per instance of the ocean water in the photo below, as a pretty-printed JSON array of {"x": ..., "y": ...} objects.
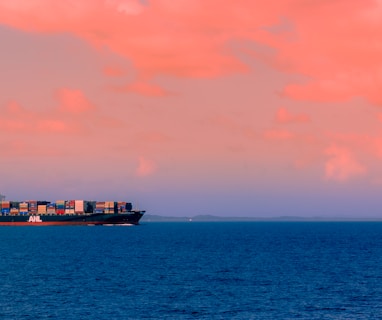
[{"x": 211, "y": 270}]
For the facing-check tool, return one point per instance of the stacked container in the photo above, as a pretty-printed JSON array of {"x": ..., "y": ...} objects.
[
  {"x": 79, "y": 206},
  {"x": 5, "y": 207},
  {"x": 14, "y": 211},
  {"x": 51, "y": 208},
  {"x": 60, "y": 207},
  {"x": 68, "y": 208},
  {"x": 109, "y": 207},
  {"x": 14, "y": 208},
  {"x": 71, "y": 206},
  {"x": 23, "y": 207},
  {"x": 41, "y": 209},
  {"x": 32, "y": 207},
  {"x": 100, "y": 207}
]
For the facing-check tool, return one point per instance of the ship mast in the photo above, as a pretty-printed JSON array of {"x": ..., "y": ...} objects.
[{"x": 2, "y": 197}]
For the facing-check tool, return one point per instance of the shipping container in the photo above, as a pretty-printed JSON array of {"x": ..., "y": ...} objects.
[
  {"x": 51, "y": 208},
  {"x": 100, "y": 207},
  {"x": 32, "y": 206},
  {"x": 14, "y": 212},
  {"x": 5, "y": 204},
  {"x": 23, "y": 208},
  {"x": 109, "y": 207},
  {"x": 79, "y": 206},
  {"x": 41, "y": 209},
  {"x": 60, "y": 207},
  {"x": 5, "y": 207}
]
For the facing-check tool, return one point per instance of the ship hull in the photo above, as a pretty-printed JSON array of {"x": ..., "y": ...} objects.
[{"x": 129, "y": 218}]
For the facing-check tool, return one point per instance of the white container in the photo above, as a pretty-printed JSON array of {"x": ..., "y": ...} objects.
[{"x": 79, "y": 206}]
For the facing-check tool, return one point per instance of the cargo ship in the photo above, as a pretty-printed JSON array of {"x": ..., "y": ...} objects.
[{"x": 67, "y": 212}]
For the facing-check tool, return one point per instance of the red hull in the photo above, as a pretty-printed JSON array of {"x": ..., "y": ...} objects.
[{"x": 59, "y": 223}]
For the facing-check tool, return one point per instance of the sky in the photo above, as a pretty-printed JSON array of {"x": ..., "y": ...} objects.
[{"x": 246, "y": 108}]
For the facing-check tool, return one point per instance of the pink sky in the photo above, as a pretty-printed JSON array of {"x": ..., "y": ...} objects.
[{"x": 194, "y": 107}]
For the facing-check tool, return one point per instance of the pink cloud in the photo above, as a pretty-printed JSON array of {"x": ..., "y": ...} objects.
[
  {"x": 16, "y": 119},
  {"x": 334, "y": 44},
  {"x": 12, "y": 125},
  {"x": 52, "y": 126},
  {"x": 14, "y": 108},
  {"x": 145, "y": 167},
  {"x": 342, "y": 165},
  {"x": 339, "y": 57},
  {"x": 114, "y": 71},
  {"x": 377, "y": 144},
  {"x": 284, "y": 116},
  {"x": 189, "y": 38},
  {"x": 74, "y": 101}
]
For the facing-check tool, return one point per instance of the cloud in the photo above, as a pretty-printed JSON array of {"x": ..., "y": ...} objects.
[
  {"x": 335, "y": 45},
  {"x": 377, "y": 144},
  {"x": 52, "y": 126},
  {"x": 145, "y": 167},
  {"x": 15, "y": 118},
  {"x": 14, "y": 108},
  {"x": 342, "y": 166},
  {"x": 73, "y": 114},
  {"x": 159, "y": 38},
  {"x": 284, "y": 116},
  {"x": 340, "y": 58},
  {"x": 73, "y": 101},
  {"x": 114, "y": 71}
]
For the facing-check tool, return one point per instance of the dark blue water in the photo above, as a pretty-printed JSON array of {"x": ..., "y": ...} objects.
[{"x": 260, "y": 270}]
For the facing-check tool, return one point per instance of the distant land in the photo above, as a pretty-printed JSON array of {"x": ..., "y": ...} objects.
[{"x": 212, "y": 218}]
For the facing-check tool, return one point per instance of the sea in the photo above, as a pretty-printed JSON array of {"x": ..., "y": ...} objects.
[{"x": 193, "y": 270}]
